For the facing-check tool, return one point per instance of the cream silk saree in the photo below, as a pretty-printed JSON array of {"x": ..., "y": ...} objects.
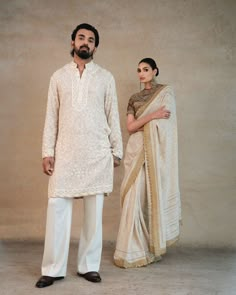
[{"x": 150, "y": 198}]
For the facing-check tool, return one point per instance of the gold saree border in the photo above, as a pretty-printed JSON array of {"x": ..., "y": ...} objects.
[
  {"x": 133, "y": 175},
  {"x": 154, "y": 197},
  {"x": 153, "y": 189},
  {"x": 138, "y": 263},
  {"x": 123, "y": 263}
]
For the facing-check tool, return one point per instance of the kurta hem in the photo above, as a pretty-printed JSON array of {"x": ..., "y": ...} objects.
[{"x": 79, "y": 194}]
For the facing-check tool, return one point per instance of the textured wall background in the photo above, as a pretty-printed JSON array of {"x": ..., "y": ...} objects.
[{"x": 194, "y": 44}]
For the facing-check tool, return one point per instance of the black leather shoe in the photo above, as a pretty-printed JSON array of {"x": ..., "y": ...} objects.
[
  {"x": 91, "y": 276},
  {"x": 46, "y": 281}
]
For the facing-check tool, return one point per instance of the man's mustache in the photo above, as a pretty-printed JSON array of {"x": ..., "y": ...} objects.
[{"x": 84, "y": 46}]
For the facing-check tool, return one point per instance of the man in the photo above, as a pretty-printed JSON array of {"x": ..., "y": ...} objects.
[{"x": 81, "y": 145}]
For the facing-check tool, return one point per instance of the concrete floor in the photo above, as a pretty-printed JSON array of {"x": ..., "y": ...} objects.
[{"x": 183, "y": 271}]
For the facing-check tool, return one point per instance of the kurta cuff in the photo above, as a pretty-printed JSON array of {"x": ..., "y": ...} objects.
[{"x": 48, "y": 153}]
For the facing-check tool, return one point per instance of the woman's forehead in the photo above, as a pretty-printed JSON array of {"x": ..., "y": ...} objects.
[{"x": 144, "y": 65}]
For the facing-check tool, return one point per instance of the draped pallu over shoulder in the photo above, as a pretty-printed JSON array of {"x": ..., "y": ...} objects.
[{"x": 150, "y": 196}]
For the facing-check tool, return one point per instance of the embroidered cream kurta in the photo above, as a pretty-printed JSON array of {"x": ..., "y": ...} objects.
[{"x": 82, "y": 131}]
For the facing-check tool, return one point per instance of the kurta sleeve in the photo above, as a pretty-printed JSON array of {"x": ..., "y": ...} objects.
[
  {"x": 112, "y": 114},
  {"x": 51, "y": 121}
]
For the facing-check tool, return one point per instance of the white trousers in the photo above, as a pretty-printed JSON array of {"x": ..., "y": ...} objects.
[{"x": 57, "y": 238}]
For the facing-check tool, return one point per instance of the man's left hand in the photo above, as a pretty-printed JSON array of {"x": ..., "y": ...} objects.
[{"x": 116, "y": 161}]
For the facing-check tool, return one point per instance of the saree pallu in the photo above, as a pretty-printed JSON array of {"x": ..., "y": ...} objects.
[{"x": 150, "y": 197}]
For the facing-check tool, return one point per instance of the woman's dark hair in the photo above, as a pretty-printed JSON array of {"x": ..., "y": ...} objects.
[
  {"x": 86, "y": 27},
  {"x": 151, "y": 63}
]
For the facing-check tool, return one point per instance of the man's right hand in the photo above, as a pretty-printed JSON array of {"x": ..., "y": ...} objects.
[{"x": 48, "y": 165}]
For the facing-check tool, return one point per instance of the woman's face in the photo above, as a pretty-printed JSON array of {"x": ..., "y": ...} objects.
[{"x": 145, "y": 72}]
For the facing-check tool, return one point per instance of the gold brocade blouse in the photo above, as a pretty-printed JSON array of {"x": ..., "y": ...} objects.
[{"x": 139, "y": 99}]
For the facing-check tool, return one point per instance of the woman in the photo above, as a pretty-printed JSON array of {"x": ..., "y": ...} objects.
[{"x": 150, "y": 195}]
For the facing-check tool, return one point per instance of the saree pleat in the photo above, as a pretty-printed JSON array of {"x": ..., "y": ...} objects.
[{"x": 150, "y": 197}]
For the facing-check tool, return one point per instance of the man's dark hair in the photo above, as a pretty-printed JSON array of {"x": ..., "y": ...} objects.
[{"x": 89, "y": 28}]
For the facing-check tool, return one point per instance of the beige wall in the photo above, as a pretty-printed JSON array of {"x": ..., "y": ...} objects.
[{"x": 194, "y": 44}]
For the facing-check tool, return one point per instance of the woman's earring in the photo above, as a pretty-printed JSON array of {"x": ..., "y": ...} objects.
[{"x": 153, "y": 82}]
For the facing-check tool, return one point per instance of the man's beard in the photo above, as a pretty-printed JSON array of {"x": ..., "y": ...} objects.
[{"x": 83, "y": 53}]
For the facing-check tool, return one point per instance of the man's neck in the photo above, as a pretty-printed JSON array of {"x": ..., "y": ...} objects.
[{"x": 81, "y": 63}]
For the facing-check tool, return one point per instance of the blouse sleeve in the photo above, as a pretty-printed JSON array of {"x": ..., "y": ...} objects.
[{"x": 130, "y": 107}]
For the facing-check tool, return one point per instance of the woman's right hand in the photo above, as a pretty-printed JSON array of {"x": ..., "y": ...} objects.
[{"x": 161, "y": 113}]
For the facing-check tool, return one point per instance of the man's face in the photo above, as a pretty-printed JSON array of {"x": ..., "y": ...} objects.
[{"x": 84, "y": 44}]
